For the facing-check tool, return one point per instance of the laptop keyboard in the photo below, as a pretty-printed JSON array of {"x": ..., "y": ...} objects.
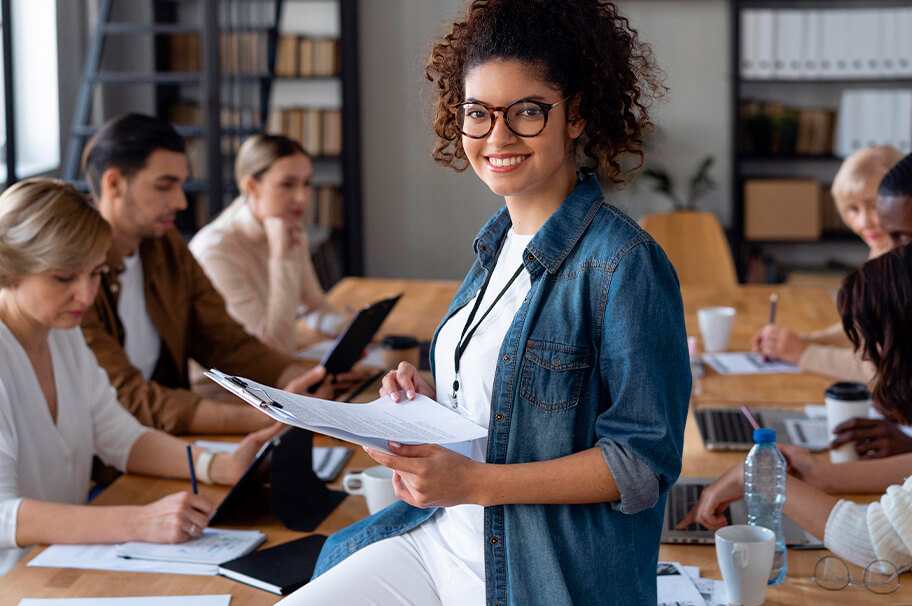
[
  {"x": 731, "y": 426},
  {"x": 681, "y": 498}
]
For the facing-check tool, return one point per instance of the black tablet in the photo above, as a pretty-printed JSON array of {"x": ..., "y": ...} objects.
[
  {"x": 245, "y": 490},
  {"x": 351, "y": 343}
]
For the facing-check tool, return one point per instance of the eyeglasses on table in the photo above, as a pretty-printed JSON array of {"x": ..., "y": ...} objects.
[{"x": 832, "y": 573}]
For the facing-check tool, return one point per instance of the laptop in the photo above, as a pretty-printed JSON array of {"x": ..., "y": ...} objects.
[
  {"x": 729, "y": 429},
  {"x": 684, "y": 495}
]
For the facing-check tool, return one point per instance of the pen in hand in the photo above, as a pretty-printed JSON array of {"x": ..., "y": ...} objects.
[
  {"x": 774, "y": 298},
  {"x": 192, "y": 470}
]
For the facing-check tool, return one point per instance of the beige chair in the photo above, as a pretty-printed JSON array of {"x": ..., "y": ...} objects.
[{"x": 695, "y": 245}]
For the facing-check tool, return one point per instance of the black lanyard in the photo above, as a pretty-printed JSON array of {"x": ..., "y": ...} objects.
[{"x": 464, "y": 339}]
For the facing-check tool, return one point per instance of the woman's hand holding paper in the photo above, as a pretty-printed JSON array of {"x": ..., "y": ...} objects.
[{"x": 406, "y": 378}]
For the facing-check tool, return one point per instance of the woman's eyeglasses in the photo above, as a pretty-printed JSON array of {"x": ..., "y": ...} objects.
[
  {"x": 880, "y": 576},
  {"x": 525, "y": 118}
]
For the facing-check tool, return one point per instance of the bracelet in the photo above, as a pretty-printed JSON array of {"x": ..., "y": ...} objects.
[{"x": 204, "y": 466}]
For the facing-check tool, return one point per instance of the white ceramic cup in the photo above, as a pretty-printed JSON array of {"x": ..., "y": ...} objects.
[
  {"x": 715, "y": 326},
  {"x": 745, "y": 555},
  {"x": 375, "y": 484},
  {"x": 845, "y": 401}
]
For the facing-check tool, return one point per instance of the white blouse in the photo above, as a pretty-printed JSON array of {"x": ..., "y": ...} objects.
[{"x": 52, "y": 462}]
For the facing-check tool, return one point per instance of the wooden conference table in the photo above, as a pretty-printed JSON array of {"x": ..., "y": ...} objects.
[{"x": 418, "y": 312}]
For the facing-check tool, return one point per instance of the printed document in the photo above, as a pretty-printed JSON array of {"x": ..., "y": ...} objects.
[
  {"x": 213, "y": 546},
  {"x": 418, "y": 421},
  {"x": 173, "y": 600},
  {"x": 104, "y": 557}
]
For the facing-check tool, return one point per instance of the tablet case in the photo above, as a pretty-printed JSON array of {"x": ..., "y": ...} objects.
[
  {"x": 280, "y": 569},
  {"x": 351, "y": 343}
]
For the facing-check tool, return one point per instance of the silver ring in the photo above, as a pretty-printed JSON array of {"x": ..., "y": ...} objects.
[{"x": 192, "y": 529}]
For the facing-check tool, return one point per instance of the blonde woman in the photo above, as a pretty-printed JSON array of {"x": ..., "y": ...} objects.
[
  {"x": 57, "y": 407},
  {"x": 828, "y": 352},
  {"x": 256, "y": 252}
]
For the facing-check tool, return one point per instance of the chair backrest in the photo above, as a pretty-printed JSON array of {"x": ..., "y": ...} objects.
[{"x": 695, "y": 245}]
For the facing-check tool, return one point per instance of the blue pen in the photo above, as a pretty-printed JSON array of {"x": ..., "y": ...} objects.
[{"x": 192, "y": 470}]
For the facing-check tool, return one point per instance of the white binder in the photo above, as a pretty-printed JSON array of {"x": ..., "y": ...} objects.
[
  {"x": 748, "y": 66},
  {"x": 763, "y": 37},
  {"x": 903, "y": 120},
  {"x": 904, "y": 62},
  {"x": 787, "y": 52},
  {"x": 862, "y": 44},
  {"x": 847, "y": 124},
  {"x": 810, "y": 43},
  {"x": 889, "y": 42},
  {"x": 834, "y": 55}
]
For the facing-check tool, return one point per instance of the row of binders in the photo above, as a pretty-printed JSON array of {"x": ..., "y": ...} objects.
[
  {"x": 298, "y": 56},
  {"x": 826, "y": 44},
  {"x": 874, "y": 117},
  {"x": 239, "y": 53},
  {"x": 318, "y": 130}
]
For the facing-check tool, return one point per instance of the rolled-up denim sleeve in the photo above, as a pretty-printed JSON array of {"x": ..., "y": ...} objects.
[{"x": 645, "y": 370}]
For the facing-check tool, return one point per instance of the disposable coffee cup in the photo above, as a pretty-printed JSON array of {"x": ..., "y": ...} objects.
[
  {"x": 845, "y": 401},
  {"x": 745, "y": 556},
  {"x": 400, "y": 348},
  {"x": 715, "y": 327},
  {"x": 375, "y": 484}
]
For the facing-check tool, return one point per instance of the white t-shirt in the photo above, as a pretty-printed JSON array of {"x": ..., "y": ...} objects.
[
  {"x": 141, "y": 339},
  {"x": 53, "y": 462},
  {"x": 455, "y": 535}
]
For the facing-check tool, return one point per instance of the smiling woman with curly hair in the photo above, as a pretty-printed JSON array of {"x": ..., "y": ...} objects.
[{"x": 566, "y": 339}]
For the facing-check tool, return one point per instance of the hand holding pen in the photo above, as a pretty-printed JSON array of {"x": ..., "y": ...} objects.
[{"x": 775, "y": 342}]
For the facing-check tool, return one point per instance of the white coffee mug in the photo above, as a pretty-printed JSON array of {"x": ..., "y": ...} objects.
[
  {"x": 745, "y": 555},
  {"x": 845, "y": 401},
  {"x": 715, "y": 326},
  {"x": 375, "y": 484}
]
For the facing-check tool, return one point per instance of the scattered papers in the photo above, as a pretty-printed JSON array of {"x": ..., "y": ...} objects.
[
  {"x": 675, "y": 587},
  {"x": 214, "y": 546},
  {"x": 104, "y": 557},
  {"x": 808, "y": 433},
  {"x": 318, "y": 351},
  {"x": 174, "y": 600},
  {"x": 682, "y": 586},
  {"x": 418, "y": 421},
  {"x": 815, "y": 411},
  {"x": 327, "y": 460},
  {"x": 745, "y": 363}
]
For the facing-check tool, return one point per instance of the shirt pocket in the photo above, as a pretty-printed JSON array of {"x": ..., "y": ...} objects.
[{"x": 553, "y": 373}]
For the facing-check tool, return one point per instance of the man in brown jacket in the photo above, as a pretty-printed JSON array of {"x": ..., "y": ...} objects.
[{"x": 155, "y": 308}]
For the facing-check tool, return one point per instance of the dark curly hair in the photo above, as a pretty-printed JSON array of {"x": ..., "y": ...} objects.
[
  {"x": 583, "y": 47},
  {"x": 876, "y": 315}
]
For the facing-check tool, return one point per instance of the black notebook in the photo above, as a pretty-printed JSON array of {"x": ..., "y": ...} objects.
[{"x": 280, "y": 569}]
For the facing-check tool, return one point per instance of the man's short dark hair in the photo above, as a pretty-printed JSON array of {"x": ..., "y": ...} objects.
[{"x": 125, "y": 143}]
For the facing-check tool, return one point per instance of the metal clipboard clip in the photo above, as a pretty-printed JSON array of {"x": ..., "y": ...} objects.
[{"x": 264, "y": 400}]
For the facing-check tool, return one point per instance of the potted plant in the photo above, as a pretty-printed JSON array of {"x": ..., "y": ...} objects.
[{"x": 700, "y": 183}]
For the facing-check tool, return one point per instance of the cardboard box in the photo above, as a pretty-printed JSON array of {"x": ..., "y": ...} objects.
[{"x": 782, "y": 209}]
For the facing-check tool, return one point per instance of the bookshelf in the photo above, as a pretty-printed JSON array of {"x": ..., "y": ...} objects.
[
  {"x": 796, "y": 67},
  {"x": 211, "y": 74},
  {"x": 316, "y": 101}
]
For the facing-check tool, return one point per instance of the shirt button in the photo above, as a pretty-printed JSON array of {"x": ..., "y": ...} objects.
[
  {"x": 493, "y": 540},
  {"x": 483, "y": 248},
  {"x": 530, "y": 257},
  {"x": 506, "y": 358},
  {"x": 114, "y": 288},
  {"x": 498, "y": 417}
]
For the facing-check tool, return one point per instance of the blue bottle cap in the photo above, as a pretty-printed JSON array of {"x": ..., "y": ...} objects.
[{"x": 764, "y": 436}]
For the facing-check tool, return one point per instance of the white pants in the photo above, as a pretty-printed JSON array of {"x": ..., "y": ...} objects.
[{"x": 394, "y": 571}]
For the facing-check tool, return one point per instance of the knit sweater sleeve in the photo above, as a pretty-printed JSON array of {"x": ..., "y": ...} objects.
[
  {"x": 841, "y": 363},
  {"x": 880, "y": 531}
]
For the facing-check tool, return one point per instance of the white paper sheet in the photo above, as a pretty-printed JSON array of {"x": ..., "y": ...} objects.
[
  {"x": 104, "y": 557},
  {"x": 714, "y": 592},
  {"x": 173, "y": 600},
  {"x": 676, "y": 587},
  {"x": 808, "y": 433},
  {"x": 214, "y": 546},
  {"x": 746, "y": 363},
  {"x": 418, "y": 421}
]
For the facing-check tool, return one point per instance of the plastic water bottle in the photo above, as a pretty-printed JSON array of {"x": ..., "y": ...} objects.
[{"x": 764, "y": 493}]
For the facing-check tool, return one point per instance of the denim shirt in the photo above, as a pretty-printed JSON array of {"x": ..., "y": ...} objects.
[{"x": 596, "y": 356}]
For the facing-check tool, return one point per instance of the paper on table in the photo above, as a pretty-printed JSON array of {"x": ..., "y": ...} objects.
[
  {"x": 808, "y": 433},
  {"x": 104, "y": 557},
  {"x": 714, "y": 592},
  {"x": 171, "y": 600},
  {"x": 675, "y": 586},
  {"x": 745, "y": 363},
  {"x": 213, "y": 546},
  {"x": 418, "y": 421},
  {"x": 317, "y": 351}
]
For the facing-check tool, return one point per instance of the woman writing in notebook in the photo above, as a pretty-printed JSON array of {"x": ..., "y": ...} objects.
[
  {"x": 256, "y": 252},
  {"x": 57, "y": 407},
  {"x": 878, "y": 326},
  {"x": 566, "y": 338},
  {"x": 828, "y": 351}
]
